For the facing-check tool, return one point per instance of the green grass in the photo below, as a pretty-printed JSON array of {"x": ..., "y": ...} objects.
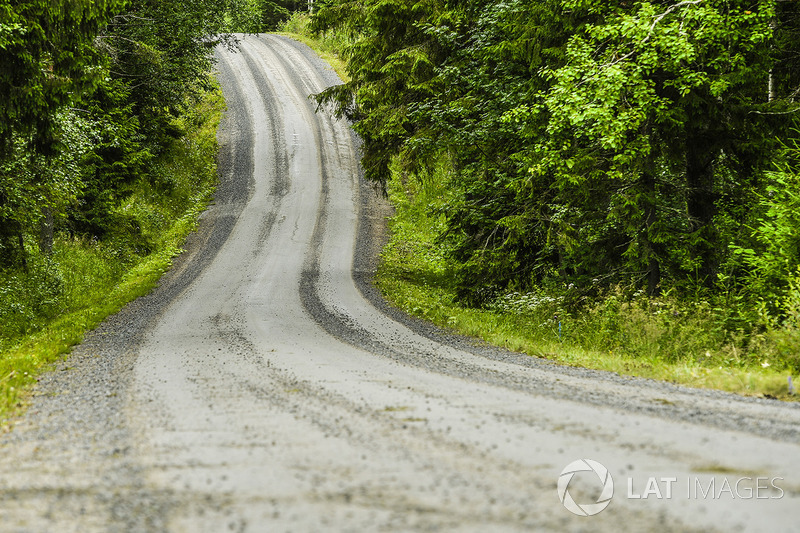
[
  {"x": 86, "y": 281},
  {"x": 659, "y": 339}
]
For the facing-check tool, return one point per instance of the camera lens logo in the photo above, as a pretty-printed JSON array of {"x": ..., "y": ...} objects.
[{"x": 588, "y": 509}]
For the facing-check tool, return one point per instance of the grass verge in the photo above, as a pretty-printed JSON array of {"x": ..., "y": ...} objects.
[
  {"x": 416, "y": 276},
  {"x": 92, "y": 280}
]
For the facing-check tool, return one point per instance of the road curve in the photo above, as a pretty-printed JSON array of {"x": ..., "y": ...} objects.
[{"x": 264, "y": 386}]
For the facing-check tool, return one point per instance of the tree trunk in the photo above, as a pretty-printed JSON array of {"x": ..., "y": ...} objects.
[
  {"x": 649, "y": 207},
  {"x": 701, "y": 205},
  {"x": 653, "y": 263},
  {"x": 651, "y": 217}
]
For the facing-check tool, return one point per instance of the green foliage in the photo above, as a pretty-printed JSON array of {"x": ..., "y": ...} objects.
[
  {"x": 609, "y": 163},
  {"x": 259, "y": 16},
  {"x": 46, "y": 309},
  {"x": 102, "y": 107},
  {"x": 48, "y": 61},
  {"x": 627, "y": 332},
  {"x": 433, "y": 78},
  {"x": 271, "y": 15},
  {"x": 119, "y": 156},
  {"x": 176, "y": 183},
  {"x": 29, "y": 299},
  {"x": 620, "y": 141},
  {"x": 89, "y": 93},
  {"x": 330, "y": 44},
  {"x": 390, "y": 66},
  {"x": 298, "y": 23},
  {"x": 243, "y": 16},
  {"x": 163, "y": 52},
  {"x": 33, "y": 185},
  {"x": 660, "y": 105},
  {"x": 771, "y": 261}
]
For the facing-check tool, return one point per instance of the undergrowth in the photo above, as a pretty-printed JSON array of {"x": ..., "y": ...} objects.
[
  {"x": 666, "y": 338},
  {"x": 46, "y": 309}
]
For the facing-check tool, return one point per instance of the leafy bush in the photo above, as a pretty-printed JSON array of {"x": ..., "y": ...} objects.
[
  {"x": 259, "y": 16},
  {"x": 332, "y": 40},
  {"x": 83, "y": 267},
  {"x": 620, "y": 328},
  {"x": 297, "y": 23},
  {"x": 28, "y": 298},
  {"x": 772, "y": 258}
]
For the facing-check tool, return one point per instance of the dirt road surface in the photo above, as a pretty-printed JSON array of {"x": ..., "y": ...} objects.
[{"x": 265, "y": 387}]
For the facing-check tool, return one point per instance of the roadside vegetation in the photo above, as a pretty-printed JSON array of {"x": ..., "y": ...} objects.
[
  {"x": 610, "y": 185},
  {"x": 666, "y": 338},
  {"x": 108, "y": 119}
]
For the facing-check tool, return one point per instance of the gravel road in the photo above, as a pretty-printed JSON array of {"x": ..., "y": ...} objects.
[{"x": 266, "y": 387}]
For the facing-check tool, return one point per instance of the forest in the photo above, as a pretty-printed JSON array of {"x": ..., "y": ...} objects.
[
  {"x": 100, "y": 103},
  {"x": 643, "y": 153},
  {"x": 108, "y": 117},
  {"x": 623, "y": 175}
]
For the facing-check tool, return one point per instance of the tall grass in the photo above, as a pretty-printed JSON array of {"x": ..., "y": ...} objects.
[
  {"x": 688, "y": 342},
  {"x": 47, "y": 309}
]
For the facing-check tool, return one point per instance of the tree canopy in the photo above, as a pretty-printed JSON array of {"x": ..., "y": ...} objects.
[
  {"x": 88, "y": 92},
  {"x": 627, "y": 142}
]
